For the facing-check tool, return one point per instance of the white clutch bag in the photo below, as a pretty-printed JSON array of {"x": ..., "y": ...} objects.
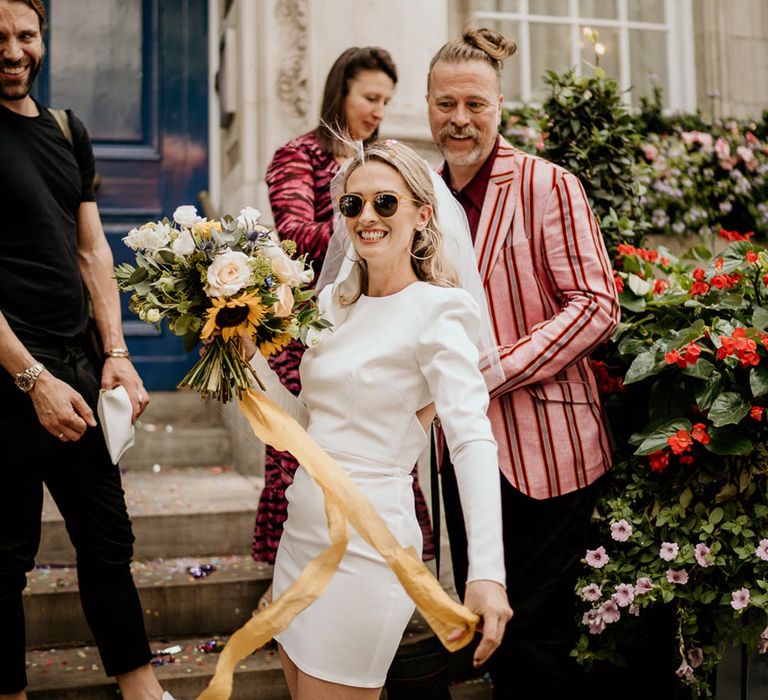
[{"x": 115, "y": 411}]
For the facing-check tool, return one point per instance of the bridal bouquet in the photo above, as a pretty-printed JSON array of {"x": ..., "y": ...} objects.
[{"x": 217, "y": 280}]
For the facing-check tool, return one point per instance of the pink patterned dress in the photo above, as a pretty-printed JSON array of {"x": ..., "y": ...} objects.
[{"x": 299, "y": 183}]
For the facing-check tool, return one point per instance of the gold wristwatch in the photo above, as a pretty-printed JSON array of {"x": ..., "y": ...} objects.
[{"x": 26, "y": 380}]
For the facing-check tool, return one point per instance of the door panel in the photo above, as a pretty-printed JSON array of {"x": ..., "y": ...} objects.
[{"x": 136, "y": 73}]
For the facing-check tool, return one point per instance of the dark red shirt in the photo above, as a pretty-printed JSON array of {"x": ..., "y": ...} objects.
[{"x": 472, "y": 195}]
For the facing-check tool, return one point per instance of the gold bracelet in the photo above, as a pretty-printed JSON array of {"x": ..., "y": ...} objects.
[{"x": 118, "y": 352}]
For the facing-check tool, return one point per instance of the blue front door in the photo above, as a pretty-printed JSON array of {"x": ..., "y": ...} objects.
[{"x": 136, "y": 73}]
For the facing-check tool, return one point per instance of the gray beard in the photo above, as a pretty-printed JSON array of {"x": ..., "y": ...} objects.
[{"x": 464, "y": 159}]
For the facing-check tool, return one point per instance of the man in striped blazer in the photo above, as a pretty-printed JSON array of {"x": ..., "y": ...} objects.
[{"x": 552, "y": 301}]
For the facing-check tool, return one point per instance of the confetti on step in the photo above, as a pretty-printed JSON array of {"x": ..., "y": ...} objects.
[{"x": 201, "y": 571}]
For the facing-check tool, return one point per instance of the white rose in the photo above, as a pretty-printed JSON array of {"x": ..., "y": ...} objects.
[
  {"x": 228, "y": 274},
  {"x": 153, "y": 316},
  {"x": 184, "y": 243},
  {"x": 284, "y": 304},
  {"x": 151, "y": 237},
  {"x": 249, "y": 219},
  {"x": 186, "y": 216}
]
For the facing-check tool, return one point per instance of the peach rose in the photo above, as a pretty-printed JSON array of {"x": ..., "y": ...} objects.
[{"x": 284, "y": 304}]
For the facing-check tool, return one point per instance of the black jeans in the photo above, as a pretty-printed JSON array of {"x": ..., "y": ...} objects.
[
  {"x": 543, "y": 543},
  {"x": 87, "y": 489}
]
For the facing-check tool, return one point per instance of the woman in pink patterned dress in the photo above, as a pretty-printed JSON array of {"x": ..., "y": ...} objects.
[{"x": 357, "y": 91}]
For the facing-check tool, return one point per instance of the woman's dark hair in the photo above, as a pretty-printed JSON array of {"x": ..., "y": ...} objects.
[{"x": 332, "y": 114}]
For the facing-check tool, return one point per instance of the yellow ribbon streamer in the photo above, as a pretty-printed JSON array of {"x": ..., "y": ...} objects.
[{"x": 344, "y": 502}]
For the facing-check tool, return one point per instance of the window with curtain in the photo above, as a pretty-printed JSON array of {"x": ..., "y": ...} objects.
[{"x": 641, "y": 43}]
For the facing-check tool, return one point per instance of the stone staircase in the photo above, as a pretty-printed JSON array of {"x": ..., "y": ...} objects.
[{"x": 192, "y": 512}]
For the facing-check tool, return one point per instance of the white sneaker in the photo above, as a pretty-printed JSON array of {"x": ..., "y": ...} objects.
[{"x": 168, "y": 696}]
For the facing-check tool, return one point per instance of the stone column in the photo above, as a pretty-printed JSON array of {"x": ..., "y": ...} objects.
[{"x": 731, "y": 44}]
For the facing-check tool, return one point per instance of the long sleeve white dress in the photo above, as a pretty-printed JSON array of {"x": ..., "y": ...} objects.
[{"x": 386, "y": 358}]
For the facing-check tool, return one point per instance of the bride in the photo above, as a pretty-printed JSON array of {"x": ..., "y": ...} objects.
[{"x": 404, "y": 346}]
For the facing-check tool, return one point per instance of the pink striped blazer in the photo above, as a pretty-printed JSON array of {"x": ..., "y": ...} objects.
[{"x": 552, "y": 301}]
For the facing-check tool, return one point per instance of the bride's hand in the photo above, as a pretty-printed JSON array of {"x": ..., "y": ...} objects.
[
  {"x": 489, "y": 600},
  {"x": 248, "y": 346}
]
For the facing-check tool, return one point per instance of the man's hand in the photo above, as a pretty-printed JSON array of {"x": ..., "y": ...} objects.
[
  {"x": 120, "y": 371},
  {"x": 62, "y": 411},
  {"x": 489, "y": 600}
]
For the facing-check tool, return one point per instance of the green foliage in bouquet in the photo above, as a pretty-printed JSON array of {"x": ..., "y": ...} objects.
[
  {"x": 219, "y": 281},
  {"x": 683, "y": 520}
]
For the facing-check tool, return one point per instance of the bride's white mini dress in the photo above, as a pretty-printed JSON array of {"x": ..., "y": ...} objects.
[{"x": 361, "y": 388}]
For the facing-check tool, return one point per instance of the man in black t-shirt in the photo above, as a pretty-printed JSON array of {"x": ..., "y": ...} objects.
[{"x": 53, "y": 252}]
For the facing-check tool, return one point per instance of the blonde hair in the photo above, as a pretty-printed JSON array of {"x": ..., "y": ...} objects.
[
  {"x": 476, "y": 44},
  {"x": 427, "y": 258}
]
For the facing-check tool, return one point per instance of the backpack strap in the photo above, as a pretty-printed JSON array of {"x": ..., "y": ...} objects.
[{"x": 62, "y": 119}]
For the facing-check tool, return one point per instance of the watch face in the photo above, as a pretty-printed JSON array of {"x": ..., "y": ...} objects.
[{"x": 25, "y": 382}]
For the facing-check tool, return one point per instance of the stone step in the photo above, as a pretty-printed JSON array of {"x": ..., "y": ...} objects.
[
  {"x": 183, "y": 407},
  {"x": 76, "y": 673},
  {"x": 175, "y": 603},
  {"x": 175, "y": 513},
  {"x": 475, "y": 689},
  {"x": 163, "y": 445}
]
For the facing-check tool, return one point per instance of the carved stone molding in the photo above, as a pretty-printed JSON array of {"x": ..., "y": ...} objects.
[{"x": 292, "y": 77}]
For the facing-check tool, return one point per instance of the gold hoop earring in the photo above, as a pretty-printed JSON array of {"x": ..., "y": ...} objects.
[
  {"x": 419, "y": 233},
  {"x": 426, "y": 257}
]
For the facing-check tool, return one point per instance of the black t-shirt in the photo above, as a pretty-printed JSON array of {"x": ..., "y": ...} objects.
[{"x": 43, "y": 180}]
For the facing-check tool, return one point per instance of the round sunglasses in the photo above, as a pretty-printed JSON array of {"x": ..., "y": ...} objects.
[{"x": 385, "y": 204}]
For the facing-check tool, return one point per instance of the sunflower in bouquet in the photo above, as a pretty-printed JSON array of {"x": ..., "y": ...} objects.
[{"x": 217, "y": 281}]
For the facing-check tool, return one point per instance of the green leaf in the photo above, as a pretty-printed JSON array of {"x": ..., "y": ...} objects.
[
  {"x": 707, "y": 394},
  {"x": 644, "y": 365},
  {"x": 728, "y": 441},
  {"x": 758, "y": 380},
  {"x": 137, "y": 276},
  {"x": 167, "y": 256},
  {"x": 699, "y": 252},
  {"x": 728, "y": 408},
  {"x": 726, "y": 494},
  {"x": 629, "y": 301},
  {"x": 702, "y": 369},
  {"x": 190, "y": 340},
  {"x": 716, "y": 515},
  {"x": 708, "y": 597},
  {"x": 760, "y": 318},
  {"x": 686, "y": 497},
  {"x": 658, "y": 439}
]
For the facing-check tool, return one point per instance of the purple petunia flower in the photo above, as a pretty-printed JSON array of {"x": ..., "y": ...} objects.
[
  {"x": 624, "y": 595},
  {"x": 591, "y": 592},
  {"x": 701, "y": 554},
  {"x": 678, "y": 576},
  {"x": 621, "y": 530},
  {"x": 762, "y": 550},
  {"x": 594, "y": 621},
  {"x": 669, "y": 550},
  {"x": 644, "y": 585},
  {"x": 609, "y": 611},
  {"x": 696, "y": 657},
  {"x": 740, "y": 599},
  {"x": 685, "y": 671},
  {"x": 597, "y": 557}
]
